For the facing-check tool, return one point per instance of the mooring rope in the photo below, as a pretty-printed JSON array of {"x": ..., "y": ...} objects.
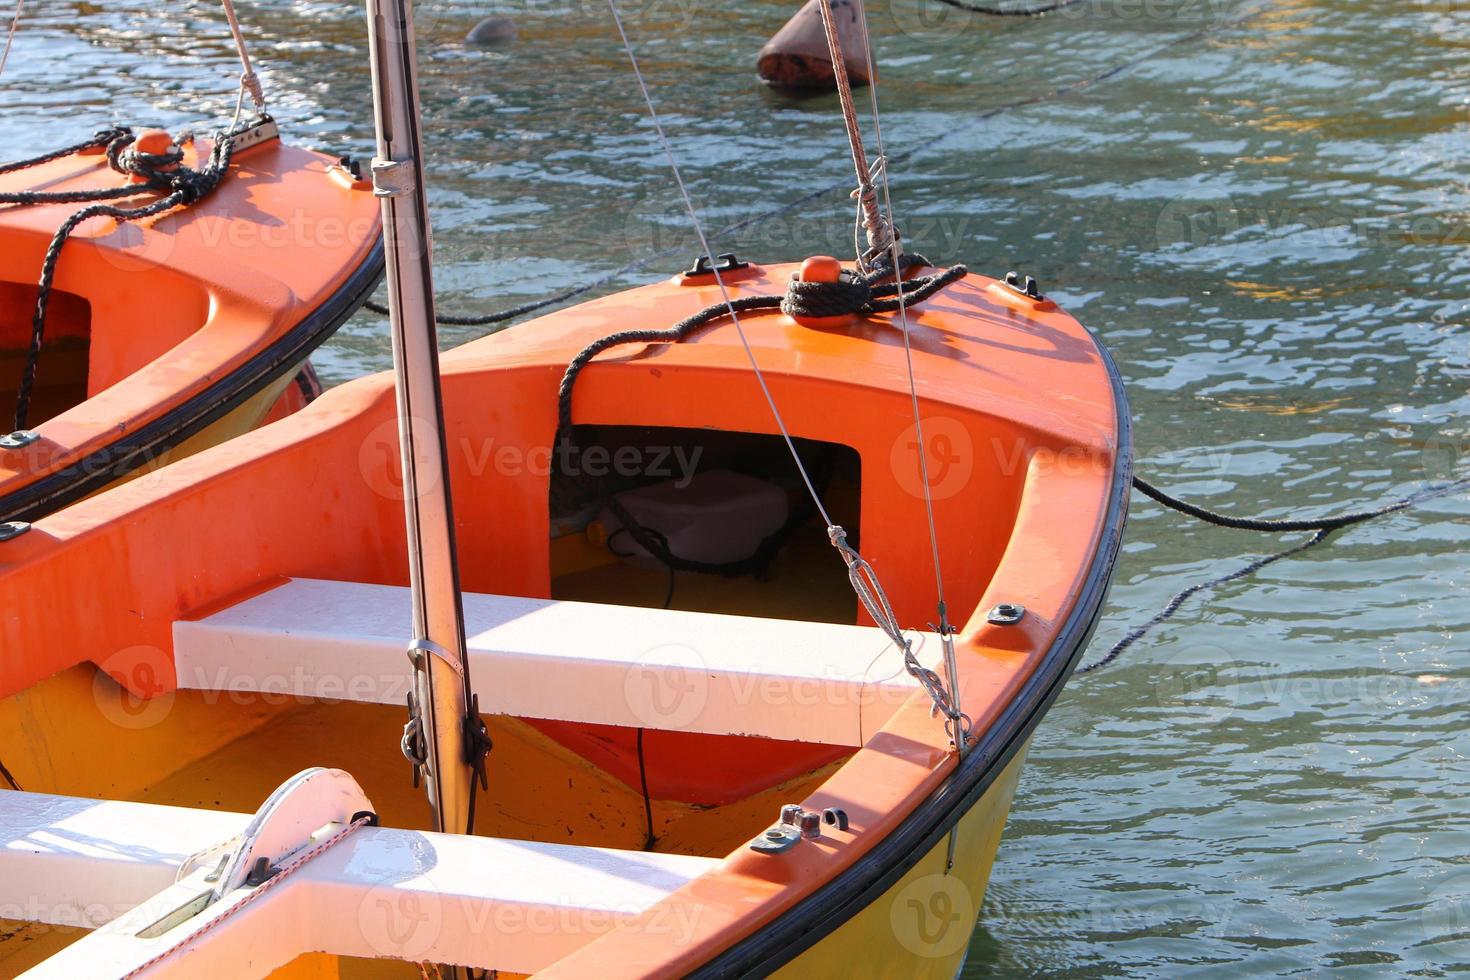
[
  {"x": 249, "y": 81},
  {"x": 1323, "y": 526},
  {"x": 990, "y": 11}
]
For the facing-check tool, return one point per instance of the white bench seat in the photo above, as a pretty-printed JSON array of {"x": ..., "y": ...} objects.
[
  {"x": 570, "y": 661},
  {"x": 510, "y": 905}
]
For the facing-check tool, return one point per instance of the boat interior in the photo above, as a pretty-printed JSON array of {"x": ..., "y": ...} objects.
[{"x": 254, "y": 646}]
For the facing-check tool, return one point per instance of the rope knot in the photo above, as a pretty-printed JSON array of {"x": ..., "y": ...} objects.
[
  {"x": 849, "y": 294},
  {"x": 854, "y": 293}
]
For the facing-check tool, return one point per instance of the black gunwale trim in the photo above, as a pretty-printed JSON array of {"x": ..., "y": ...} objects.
[
  {"x": 821, "y": 913},
  {"x": 135, "y": 448}
]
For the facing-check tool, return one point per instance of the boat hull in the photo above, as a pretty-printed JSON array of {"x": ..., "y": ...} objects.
[
  {"x": 173, "y": 334},
  {"x": 1032, "y": 509}
]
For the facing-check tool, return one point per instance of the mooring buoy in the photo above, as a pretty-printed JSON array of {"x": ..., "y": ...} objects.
[
  {"x": 797, "y": 59},
  {"x": 492, "y": 30}
]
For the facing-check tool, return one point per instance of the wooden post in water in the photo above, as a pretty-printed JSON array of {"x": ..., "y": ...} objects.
[{"x": 796, "y": 58}]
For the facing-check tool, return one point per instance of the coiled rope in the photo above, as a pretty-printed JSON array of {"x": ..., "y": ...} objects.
[
  {"x": 160, "y": 172},
  {"x": 1322, "y": 526}
]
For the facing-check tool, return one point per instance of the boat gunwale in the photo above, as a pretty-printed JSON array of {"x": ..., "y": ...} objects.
[
  {"x": 121, "y": 456},
  {"x": 856, "y": 887}
]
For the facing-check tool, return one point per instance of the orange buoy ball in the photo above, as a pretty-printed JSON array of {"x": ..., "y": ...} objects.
[
  {"x": 154, "y": 142},
  {"x": 821, "y": 268}
]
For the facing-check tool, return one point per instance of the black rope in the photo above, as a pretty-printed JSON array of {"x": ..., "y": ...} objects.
[
  {"x": 101, "y": 138},
  {"x": 1324, "y": 528},
  {"x": 1279, "y": 526},
  {"x": 989, "y": 11},
  {"x": 9, "y": 778},
  {"x": 162, "y": 172},
  {"x": 649, "y": 840},
  {"x": 852, "y": 294}
]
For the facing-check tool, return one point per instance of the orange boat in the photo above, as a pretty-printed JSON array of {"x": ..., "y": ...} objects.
[
  {"x": 693, "y": 773},
  {"x": 173, "y": 333}
]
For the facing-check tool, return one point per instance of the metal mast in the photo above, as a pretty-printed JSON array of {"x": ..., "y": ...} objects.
[{"x": 444, "y": 738}]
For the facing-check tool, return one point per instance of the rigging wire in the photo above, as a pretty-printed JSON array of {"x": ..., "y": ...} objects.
[
  {"x": 860, "y": 574},
  {"x": 908, "y": 354},
  {"x": 249, "y": 81},
  {"x": 10, "y": 35},
  {"x": 1050, "y": 95},
  {"x": 668, "y": 152}
]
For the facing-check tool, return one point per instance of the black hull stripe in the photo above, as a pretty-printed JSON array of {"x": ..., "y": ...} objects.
[
  {"x": 139, "y": 447},
  {"x": 872, "y": 875}
]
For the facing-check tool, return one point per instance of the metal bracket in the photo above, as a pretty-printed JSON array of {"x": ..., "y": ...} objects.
[
  {"x": 1006, "y": 614},
  {"x": 1026, "y": 286},
  {"x": 418, "y": 648},
  {"x": 795, "y": 826},
  {"x": 19, "y": 439},
  {"x": 724, "y": 262},
  {"x": 264, "y": 130},
  {"x": 13, "y": 529},
  {"x": 393, "y": 178}
]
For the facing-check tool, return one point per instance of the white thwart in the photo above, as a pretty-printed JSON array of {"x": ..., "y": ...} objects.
[
  {"x": 569, "y": 661},
  {"x": 511, "y": 905},
  {"x": 76, "y": 862}
]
